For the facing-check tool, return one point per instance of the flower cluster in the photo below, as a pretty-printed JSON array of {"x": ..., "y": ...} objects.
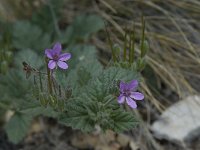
[{"x": 128, "y": 94}]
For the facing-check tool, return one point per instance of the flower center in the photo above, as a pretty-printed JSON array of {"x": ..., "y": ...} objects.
[
  {"x": 55, "y": 57},
  {"x": 126, "y": 93}
]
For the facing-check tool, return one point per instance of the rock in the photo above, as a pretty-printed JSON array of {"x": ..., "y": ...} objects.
[
  {"x": 123, "y": 139},
  {"x": 84, "y": 140},
  {"x": 180, "y": 122},
  {"x": 8, "y": 115},
  {"x": 133, "y": 146},
  {"x": 103, "y": 141},
  {"x": 35, "y": 127}
]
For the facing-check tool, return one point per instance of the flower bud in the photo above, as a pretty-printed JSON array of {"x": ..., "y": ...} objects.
[
  {"x": 140, "y": 64},
  {"x": 145, "y": 48},
  {"x": 43, "y": 99},
  {"x": 53, "y": 101},
  {"x": 117, "y": 50}
]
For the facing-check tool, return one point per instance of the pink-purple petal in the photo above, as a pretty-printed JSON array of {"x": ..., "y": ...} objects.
[
  {"x": 122, "y": 86},
  {"x": 133, "y": 85},
  {"x": 121, "y": 99},
  {"x": 52, "y": 64},
  {"x": 62, "y": 64},
  {"x": 64, "y": 56},
  {"x": 48, "y": 53},
  {"x": 57, "y": 48},
  {"x": 137, "y": 95},
  {"x": 131, "y": 102}
]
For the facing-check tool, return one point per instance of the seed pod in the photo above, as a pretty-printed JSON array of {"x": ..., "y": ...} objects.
[
  {"x": 53, "y": 101},
  {"x": 117, "y": 50},
  {"x": 140, "y": 64},
  {"x": 43, "y": 99},
  {"x": 36, "y": 92},
  {"x": 145, "y": 48}
]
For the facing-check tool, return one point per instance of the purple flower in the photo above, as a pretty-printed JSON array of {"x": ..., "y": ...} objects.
[
  {"x": 56, "y": 58},
  {"x": 128, "y": 94}
]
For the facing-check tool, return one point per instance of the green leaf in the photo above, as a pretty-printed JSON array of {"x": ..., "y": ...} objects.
[
  {"x": 19, "y": 98},
  {"x": 17, "y": 127},
  {"x": 37, "y": 109},
  {"x": 123, "y": 121},
  {"x": 84, "y": 60},
  {"x": 29, "y": 57},
  {"x": 11, "y": 83},
  {"x": 82, "y": 54},
  {"x": 45, "y": 16},
  {"x": 82, "y": 27},
  {"x": 26, "y": 35},
  {"x": 95, "y": 104}
]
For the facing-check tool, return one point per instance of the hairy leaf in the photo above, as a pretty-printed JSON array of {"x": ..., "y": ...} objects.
[
  {"x": 96, "y": 104},
  {"x": 17, "y": 127},
  {"x": 82, "y": 27},
  {"x": 26, "y": 35}
]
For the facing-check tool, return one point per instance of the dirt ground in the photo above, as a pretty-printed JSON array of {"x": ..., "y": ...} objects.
[{"x": 47, "y": 134}]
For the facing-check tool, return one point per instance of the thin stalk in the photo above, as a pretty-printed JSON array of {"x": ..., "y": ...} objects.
[
  {"x": 142, "y": 40},
  {"x": 40, "y": 78},
  {"x": 60, "y": 93},
  {"x": 125, "y": 44},
  {"x": 49, "y": 78},
  {"x": 130, "y": 43},
  {"x": 111, "y": 45},
  {"x": 133, "y": 44},
  {"x": 110, "y": 100},
  {"x": 34, "y": 80},
  {"x": 54, "y": 86}
]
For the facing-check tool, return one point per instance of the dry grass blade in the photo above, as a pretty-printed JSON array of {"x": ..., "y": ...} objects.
[{"x": 169, "y": 46}]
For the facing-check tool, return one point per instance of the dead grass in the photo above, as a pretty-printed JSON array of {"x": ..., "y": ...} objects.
[{"x": 171, "y": 29}]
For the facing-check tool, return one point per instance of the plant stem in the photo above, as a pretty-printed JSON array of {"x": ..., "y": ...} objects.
[
  {"x": 40, "y": 78},
  {"x": 125, "y": 44},
  {"x": 132, "y": 51},
  {"x": 108, "y": 102},
  {"x": 143, "y": 38},
  {"x": 49, "y": 78},
  {"x": 111, "y": 46}
]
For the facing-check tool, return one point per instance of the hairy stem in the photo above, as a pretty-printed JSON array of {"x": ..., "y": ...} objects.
[{"x": 49, "y": 78}]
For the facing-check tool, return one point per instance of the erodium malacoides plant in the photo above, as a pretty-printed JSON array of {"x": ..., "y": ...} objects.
[{"x": 89, "y": 94}]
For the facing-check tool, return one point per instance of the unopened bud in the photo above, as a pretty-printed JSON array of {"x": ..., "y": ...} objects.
[
  {"x": 43, "y": 99},
  {"x": 53, "y": 101}
]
